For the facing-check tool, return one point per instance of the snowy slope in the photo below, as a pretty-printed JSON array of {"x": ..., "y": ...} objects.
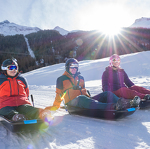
[
  {"x": 76, "y": 132},
  {"x": 61, "y": 30},
  {"x": 7, "y": 28},
  {"x": 142, "y": 22}
]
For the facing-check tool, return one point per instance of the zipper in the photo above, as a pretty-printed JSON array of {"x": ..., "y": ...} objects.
[
  {"x": 10, "y": 88},
  {"x": 17, "y": 86}
]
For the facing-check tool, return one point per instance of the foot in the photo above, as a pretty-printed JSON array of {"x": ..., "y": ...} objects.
[
  {"x": 147, "y": 97},
  {"x": 18, "y": 117},
  {"x": 135, "y": 102},
  {"x": 122, "y": 104}
]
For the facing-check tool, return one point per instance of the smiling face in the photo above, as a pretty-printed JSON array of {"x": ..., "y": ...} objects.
[
  {"x": 12, "y": 70},
  {"x": 11, "y": 73},
  {"x": 116, "y": 62},
  {"x": 73, "y": 70}
]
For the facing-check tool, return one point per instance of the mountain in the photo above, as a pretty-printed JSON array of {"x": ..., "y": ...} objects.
[
  {"x": 7, "y": 28},
  {"x": 61, "y": 30},
  {"x": 142, "y": 23}
]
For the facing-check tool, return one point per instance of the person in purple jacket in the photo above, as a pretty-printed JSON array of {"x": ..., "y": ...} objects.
[{"x": 116, "y": 80}]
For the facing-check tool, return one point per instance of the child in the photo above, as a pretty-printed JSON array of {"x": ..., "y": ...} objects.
[
  {"x": 116, "y": 80},
  {"x": 14, "y": 93}
]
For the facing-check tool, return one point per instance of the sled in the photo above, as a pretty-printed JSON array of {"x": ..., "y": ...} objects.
[
  {"x": 101, "y": 114},
  {"x": 25, "y": 126},
  {"x": 144, "y": 104}
]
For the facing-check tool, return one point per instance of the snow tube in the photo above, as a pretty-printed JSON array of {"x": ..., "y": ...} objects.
[
  {"x": 144, "y": 104},
  {"x": 102, "y": 114},
  {"x": 26, "y": 125}
]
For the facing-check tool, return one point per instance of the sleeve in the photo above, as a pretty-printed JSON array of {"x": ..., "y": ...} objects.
[
  {"x": 105, "y": 83},
  {"x": 127, "y": 81},
  {"x": 82, "y": 82},
  {"x": 83, "y": 90},
  {"x": 27, "y": 88},
  {"x": 59, "y": 93}
]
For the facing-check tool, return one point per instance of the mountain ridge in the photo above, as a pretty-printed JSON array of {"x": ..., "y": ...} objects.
[
  {"x": 142, "y": 22},
  {"x": 7, "y": 28}
]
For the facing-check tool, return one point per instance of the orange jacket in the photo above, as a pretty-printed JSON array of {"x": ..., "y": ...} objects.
[
  {"x": 14, "y": 91},
  {"x": 64, "y": 88}
]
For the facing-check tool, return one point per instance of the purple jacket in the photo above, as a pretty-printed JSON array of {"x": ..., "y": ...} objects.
[{"x": 113, "y": 80}]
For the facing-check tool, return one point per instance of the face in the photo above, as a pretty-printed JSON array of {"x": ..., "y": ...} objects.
[
  {"x": 73, "y": 70},
  {"x": 116, "y": 62},
  {"x": 12, "y": 71}
]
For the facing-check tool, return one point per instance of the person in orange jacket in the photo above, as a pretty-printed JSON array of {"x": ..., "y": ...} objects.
[
  {"x": 70, "y": 88},
  {"x": 14, "y": 94}
]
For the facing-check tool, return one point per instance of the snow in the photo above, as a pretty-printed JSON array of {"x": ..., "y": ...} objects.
[
  {"x": 78, "y": 132},
  {"x": 61, "y": 30},
  {"x": 7, "y": 28},
  {"x": 29, "y": 49},
  {"x": 142, "y": 22}
]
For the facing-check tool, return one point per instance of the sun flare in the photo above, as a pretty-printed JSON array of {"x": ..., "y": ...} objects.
[
  {"x": 111, "y": 31},
  {"x": 108, "y": 19}
]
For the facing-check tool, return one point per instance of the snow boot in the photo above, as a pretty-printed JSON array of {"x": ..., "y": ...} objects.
[
  {"x": 135, "y": 102},
  {"x": 18, "y": 117},
  {"x": 122, "y": 104},
  {"x": 147, "y": 97}
]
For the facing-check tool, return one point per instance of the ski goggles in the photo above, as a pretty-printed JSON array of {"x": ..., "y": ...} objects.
[
  {"x": 73, "y": 65},
  {"x": 116, "y": 60},
  {"x": 10, "y": 67}
]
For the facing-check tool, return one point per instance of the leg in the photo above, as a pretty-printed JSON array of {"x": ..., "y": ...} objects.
[
  {"x": 106, "y": 97},
  {"x": 128, "y": 93},
  {"x": 83, "y": 101},
  {"x": 29, "y": 111},
  {"x": 140, "y": 89},
  {"x": 8, "y": 112}
]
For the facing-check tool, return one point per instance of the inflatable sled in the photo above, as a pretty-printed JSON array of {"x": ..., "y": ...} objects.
[
  {"x": 26, "y": 125},
  {"x": 102, "y": 114},
  {"x": 144, "y": 104}
]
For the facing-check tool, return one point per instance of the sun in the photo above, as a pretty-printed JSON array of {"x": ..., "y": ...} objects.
[
  {"x": 108, "y": 19},
  {"x": 111, "y": 30}
]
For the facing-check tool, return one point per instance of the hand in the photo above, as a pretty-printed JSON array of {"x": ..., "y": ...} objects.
[
  {"x": 51, "y": 108},
  {"x": 89, "y": 93}
]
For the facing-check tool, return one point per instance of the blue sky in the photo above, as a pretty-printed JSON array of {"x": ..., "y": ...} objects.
[{"x": 74, "y": 14}]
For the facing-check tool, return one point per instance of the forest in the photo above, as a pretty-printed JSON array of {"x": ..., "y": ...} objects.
[{"x": 50, "y": 47}]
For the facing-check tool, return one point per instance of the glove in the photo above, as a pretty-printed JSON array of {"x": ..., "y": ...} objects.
[{"x": 51, "y": 108}]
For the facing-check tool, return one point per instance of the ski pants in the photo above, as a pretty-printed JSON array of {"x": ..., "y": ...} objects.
[
  {"x": 131, "y": 92},
  {"x": 29, "y": 111},
  {"x": 105, "y": 100}
]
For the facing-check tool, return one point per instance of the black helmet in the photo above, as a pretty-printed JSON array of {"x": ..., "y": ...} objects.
[
  {"x": 8, "y": 62},
  {"x": 71, "y": 62}
]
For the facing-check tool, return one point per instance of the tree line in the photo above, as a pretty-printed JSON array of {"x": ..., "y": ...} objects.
[{"x": 50, "y": 47}]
